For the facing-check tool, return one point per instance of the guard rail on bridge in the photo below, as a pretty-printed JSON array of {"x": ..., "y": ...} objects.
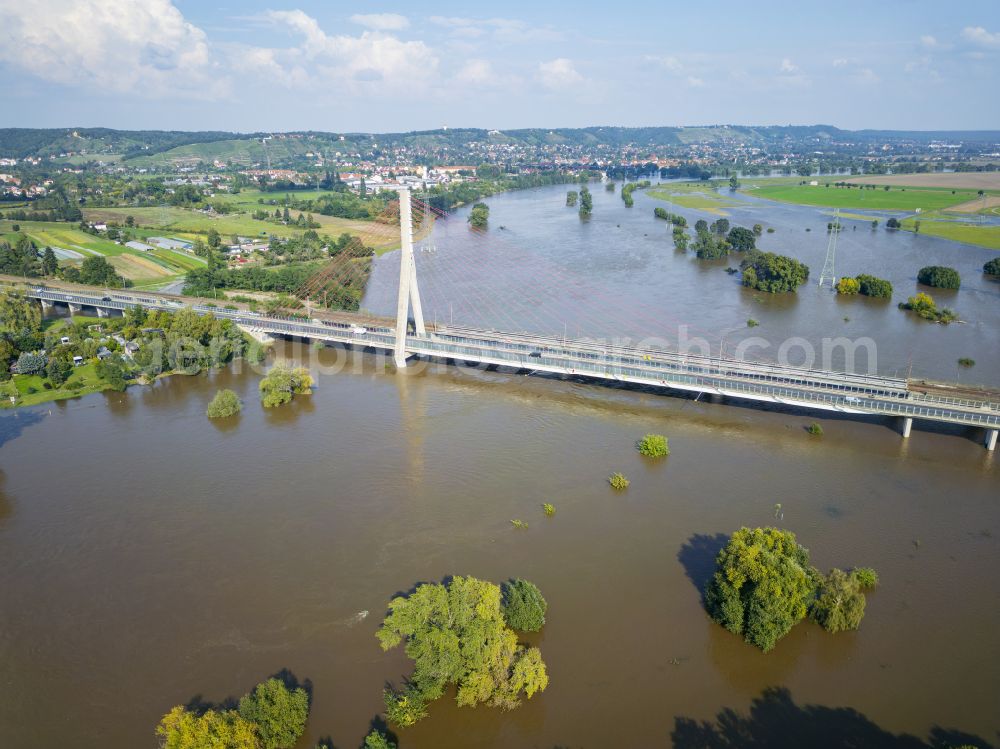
[{"x": 800, "y": 387}]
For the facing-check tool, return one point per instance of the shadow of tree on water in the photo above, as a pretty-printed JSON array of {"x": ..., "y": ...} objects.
[
  {"x": 776, "y": 722},
  {"x": 697, "y": 556}
]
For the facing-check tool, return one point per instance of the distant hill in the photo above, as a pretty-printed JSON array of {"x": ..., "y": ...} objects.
[{"x": 158, "y": 147}]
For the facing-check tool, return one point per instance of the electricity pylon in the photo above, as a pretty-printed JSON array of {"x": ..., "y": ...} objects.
[{"x": 829, "y": 273}]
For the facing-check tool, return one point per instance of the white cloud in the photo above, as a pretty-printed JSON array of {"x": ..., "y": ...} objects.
[
  {"x": 505, "y": 30},
  {"x": 668, "y": 62},
  {"x": 929, "y": 41},
  {"x": 558, "y": 73},
  {"x": 694, "y": 81},
  {"x": 352, "y": 61},
  {"x": 787, "y": 66},
  {"x": 867, "y": 75},
  {"x": 982, "y": 37},
  {"x": 141, "y": 48},
  {"x": 381, "y": 21},
  {"x": 841, "y": 62}
]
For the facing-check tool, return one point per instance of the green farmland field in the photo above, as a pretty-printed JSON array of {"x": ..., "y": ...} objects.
[
  {"x": 981, "y": 235},
  {"x": 908, "y": 199}
]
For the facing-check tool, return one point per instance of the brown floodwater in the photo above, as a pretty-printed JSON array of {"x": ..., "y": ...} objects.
[{"x": 149, "y": 557}]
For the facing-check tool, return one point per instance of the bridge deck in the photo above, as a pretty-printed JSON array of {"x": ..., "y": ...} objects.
[{"x": 806, "y": 388}]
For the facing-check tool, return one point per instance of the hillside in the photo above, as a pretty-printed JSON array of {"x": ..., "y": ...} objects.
[{"x": 173, "y": 148}]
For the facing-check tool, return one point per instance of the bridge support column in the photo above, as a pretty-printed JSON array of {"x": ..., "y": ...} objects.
[
  {"x": 101, "y": 312},
  {"x": 408, "y": 292},
  {"x": 75, "y": 309},
  {"x": 907, "y": 425},
  {"x": 991, "y": 439},
  {"x": 46, "y": 305}
]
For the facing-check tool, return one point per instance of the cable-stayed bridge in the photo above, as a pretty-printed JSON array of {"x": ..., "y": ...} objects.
[{"x": 410, "y": 336}]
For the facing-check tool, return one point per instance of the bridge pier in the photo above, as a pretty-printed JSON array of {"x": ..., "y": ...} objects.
[
  {"x": 409, "y": 294},
  {"x": 46, "y": 305},
  {"x": 101, "y": 312},
  {"x": 75, "y": 309},
  {"x": 991, "y": 439},
  {"x": 907, "y": 425}
]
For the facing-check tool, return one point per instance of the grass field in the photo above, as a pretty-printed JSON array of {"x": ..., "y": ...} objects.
[
  {"x": 935, "y": 225},
  {"x": 951, "y": 180},
  {"x": 189, "y": 224},
  {"x": 896, "y": 199},
  {"x": 84, "y": 375},
  {"x": 700, "y": 196},
  {"x": 143, "y": 268}
]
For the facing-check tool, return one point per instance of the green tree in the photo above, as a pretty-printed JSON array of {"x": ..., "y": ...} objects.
[
  {"x": 378, "y": 740},
  {"x": 30, "y": 363},
  {"x": 992, "y": 267},
  {"x": 213, "y": 729},
  {"x": 871, "y": 286},
  {"x": 282, "y": 383},
  {"x": 225, "y": 403},
  {"x": 456, "y": 634},
  {"x": 741, "y": 239},
  {"x": 214, "y": 239},
  {"x": 848, "y": 286},
  {"x": 840, "y": 604},
  {"x": 734, "y": 183},
  {"x": 19, "y": 316},
  {"x": 97, "y": 271},
  {"x": 586, "y": 202},
  {"x": 653, "y": 446},
  {"x": 762, "y": 586},
  {"x": 939, "y": 276},
  {"x": 571, "y": 197},
  {"x": 709, "y": 246},
  {"x": 112, "y": 371},
  {"x": 773, "y": 273},
  {"x": 758, "y": 230},
  {"x": 50, "y": 264},
  {"x": 479, "y": 217},
  {"x": 720, "y": 226},
  {"x": 279, "y": 713},
  {"x": 58, "y": 370},
  {"x": 523, "y": 606}
]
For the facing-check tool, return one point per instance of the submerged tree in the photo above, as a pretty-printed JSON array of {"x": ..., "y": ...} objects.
[
  {"x": 278, "y": 711},
  {"x": 840, "y": 603},
  {"x": 479, "y": 217},
  {"x": 282, "y": 383},
  {"x": 225, "y": 403},
  {"x": 523, "y": 606},
  {"x": 456, "y": 634},
  {"x": 762, "y": 585},
  {"x": 586, "y": 202}
]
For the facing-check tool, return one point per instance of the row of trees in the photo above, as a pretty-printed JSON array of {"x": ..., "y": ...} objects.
[
  {"x": 764, "y": 584},
  {"x": 865, "y": 285},
  {"x": 675, "y": 218},
  {"x": 272, "y": 716},
  {"x": 629, "y": 187}
]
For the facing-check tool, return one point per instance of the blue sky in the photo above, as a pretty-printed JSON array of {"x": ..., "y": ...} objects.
[{"x": 393, "y": 66}]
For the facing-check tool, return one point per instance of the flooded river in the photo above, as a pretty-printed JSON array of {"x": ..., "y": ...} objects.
[
  {"x": 149, "y": 557},
  {"x": 617, "y": 276}
]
